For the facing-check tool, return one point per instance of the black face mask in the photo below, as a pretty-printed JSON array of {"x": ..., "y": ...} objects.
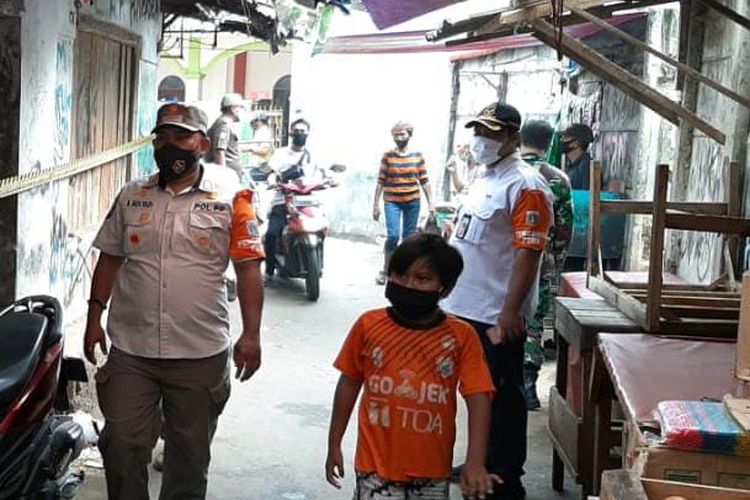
[
  {"x": 299, "y": 138},
  {"x": 174, "y": 162},
  {"x": 411, "y": 303},
  {"x": 401, "y": 144},
  {"x": 567, "y": 146}
]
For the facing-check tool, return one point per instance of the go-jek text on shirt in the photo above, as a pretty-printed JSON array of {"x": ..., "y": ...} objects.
[{"x": 407, "y": 415}]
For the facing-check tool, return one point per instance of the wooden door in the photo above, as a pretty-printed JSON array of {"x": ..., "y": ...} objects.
[{"x": 102, "y": 118}]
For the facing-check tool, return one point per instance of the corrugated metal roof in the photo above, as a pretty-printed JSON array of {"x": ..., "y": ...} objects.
[{"x": 415, "y": 41}]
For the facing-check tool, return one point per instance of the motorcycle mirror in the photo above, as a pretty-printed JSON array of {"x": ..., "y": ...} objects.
[{"x": 337, "y": 167}]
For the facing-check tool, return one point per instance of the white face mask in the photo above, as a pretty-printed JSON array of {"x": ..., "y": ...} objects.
[{"x": 486, "y": 151}]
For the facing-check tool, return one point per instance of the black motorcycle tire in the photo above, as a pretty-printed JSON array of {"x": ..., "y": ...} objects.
[{"x": 312, "y": 279}]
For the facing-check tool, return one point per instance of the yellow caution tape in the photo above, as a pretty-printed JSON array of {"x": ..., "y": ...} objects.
[{"x": 17, "y": 184}]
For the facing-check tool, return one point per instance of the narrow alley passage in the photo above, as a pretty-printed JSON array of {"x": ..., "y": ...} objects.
[{"x": 271, "y": 440}]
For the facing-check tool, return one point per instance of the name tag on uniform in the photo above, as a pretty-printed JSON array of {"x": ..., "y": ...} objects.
[
  {"x": 137, "y": 203},
  {"x": 463, "y": 225}
]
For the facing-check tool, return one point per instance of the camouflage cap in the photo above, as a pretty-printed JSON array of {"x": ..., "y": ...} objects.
[
  {"x": 497, "y": 116},
  {"x": 178, "y": 115}
]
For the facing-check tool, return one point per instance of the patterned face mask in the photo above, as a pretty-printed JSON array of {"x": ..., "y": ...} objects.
[{"x": 174, "y": 162}]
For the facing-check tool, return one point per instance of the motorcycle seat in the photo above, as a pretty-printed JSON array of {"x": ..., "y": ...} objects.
[{"x": 21, "y": 344}]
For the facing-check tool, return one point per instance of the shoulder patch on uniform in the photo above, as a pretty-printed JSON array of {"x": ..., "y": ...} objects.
[{"x": 252, "y": 228}]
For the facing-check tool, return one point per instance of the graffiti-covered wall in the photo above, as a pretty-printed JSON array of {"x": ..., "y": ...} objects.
[
  {"x": 57, "y": 96},
  {"x": 725, "y": 59}
]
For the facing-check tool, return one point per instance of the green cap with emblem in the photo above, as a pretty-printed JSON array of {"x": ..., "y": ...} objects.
[{"x": 177, "y": 115}]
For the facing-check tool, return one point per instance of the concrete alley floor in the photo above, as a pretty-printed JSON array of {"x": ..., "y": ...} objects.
[{"x": 271, "y": 440}]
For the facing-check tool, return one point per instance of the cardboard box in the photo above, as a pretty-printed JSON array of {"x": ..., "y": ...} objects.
[
  {"x": 627, "y": 485},
  {"x": 656, "y": 462}
]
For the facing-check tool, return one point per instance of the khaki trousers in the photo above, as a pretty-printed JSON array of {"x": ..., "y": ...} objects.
[{"x": 134, "y": 395}]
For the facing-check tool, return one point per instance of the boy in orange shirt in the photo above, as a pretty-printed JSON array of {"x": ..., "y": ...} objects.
[{"x": 410, "y": 358}]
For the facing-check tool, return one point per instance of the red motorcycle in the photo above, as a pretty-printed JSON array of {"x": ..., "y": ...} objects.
[
  {"x": 37, "y": 443},
  {"x": 299, "y": 253}
]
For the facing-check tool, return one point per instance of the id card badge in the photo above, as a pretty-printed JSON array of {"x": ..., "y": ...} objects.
[{"x": 463, "y": 226}]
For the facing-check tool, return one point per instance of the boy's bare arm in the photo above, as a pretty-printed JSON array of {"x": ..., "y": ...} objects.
[
  {"x": 479, "y": 406},
  {"x": 475, "y": 481},
  {"x": 347, "y": 391}
]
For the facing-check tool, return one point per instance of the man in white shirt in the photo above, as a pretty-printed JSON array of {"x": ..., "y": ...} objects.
[
  {"x": 288, "y": 164},
  {"x": 501, "y": 231},
  {"x": 261, "y": 145}
]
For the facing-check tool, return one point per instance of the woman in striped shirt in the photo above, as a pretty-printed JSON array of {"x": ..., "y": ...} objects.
[{"x": 402, "y": 174}]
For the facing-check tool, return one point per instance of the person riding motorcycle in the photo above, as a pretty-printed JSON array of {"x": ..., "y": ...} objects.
[{"x": 290, "y": 163}]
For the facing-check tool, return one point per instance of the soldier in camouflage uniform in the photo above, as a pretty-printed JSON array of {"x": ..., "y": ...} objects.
[{"x": 535, "y": 139}]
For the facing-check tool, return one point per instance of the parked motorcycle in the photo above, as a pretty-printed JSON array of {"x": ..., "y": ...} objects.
[
  {"x": 300, "y": 249},
  {"x": 37, "y": 443}
]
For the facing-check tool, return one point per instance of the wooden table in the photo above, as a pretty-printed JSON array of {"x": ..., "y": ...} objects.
[
  {"x": 642, "y": 370},
  {"x": 573, "y": 284},
  {"x": 577, "y": 323}
]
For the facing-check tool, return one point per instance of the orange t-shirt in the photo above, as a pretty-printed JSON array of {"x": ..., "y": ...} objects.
[{"x": 407, "y": 414}]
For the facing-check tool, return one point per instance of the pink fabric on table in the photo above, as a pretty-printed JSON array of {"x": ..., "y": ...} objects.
[
  {"x": 573, "y": 284},
  {"x": 574, "y": 392},
  {"x": 646, "y": 369}
]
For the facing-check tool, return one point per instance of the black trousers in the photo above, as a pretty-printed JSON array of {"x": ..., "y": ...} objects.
[
  {"x": 276, "y": 223},
  {"x": 507, "y": 448}
]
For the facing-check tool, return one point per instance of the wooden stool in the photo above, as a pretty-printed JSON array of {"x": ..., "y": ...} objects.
[{"x": 577, "y": 322}]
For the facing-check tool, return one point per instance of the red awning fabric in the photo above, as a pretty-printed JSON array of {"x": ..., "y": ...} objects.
[
  {"x": 387, "y": 13},
  {"x": 406, "y": 42}
]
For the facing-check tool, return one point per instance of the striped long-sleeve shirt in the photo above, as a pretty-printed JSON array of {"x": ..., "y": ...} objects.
[{"x": 401, "y": 175}]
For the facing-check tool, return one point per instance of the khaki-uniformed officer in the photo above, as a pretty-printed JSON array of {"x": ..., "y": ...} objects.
[
  {"x": 225, "y": 149},
  {"x": 165, "y": 245}
]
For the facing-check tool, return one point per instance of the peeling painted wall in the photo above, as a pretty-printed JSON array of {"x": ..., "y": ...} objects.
[
  {"x": 725, "y": 59},
  {"x": 47, "y": 258},
  {"x": 527, "y": 78},
  {"x": 656, "y": 138}
]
